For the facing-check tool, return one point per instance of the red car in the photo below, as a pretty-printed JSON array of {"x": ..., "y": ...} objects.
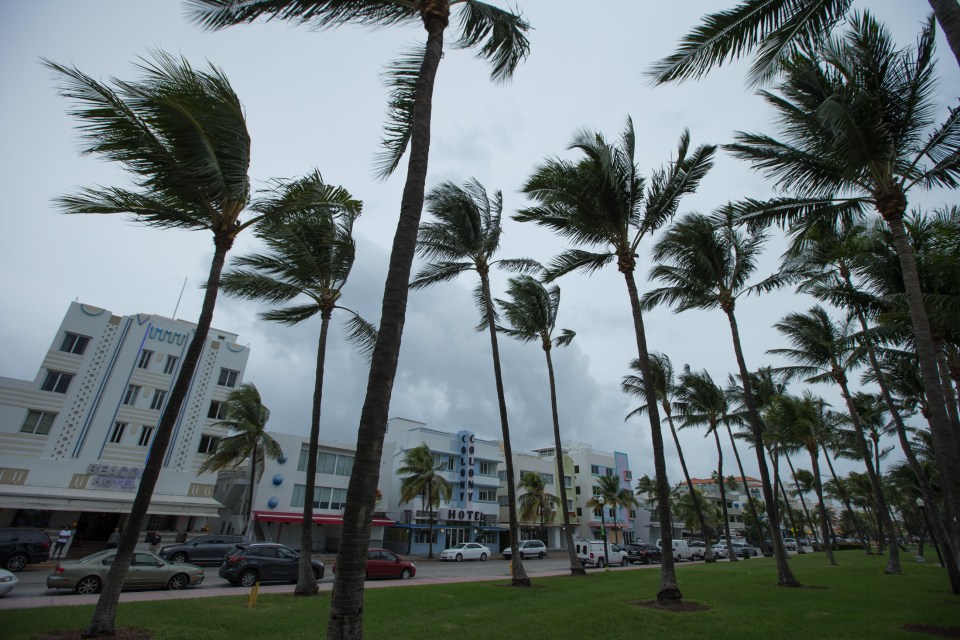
[{"x": 383, "y": 563}]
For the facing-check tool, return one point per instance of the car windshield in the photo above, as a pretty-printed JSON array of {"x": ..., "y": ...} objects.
[{"x": 459, "y": 546}]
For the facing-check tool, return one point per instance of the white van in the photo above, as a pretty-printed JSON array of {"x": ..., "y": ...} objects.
[
  {"x": 681, "y": 550},
  {"x": 590, "y": 553}
]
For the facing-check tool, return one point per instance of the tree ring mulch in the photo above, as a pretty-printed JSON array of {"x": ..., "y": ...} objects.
[
  {"x": 931, "y": 630},
  {"x": 678, "y": 606},
  {"x": 123, "y": 633}
]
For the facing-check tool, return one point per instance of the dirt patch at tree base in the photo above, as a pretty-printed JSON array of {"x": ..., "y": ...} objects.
[
  {"x": 123, "y": 633},
  {"x": 931, "y": 630},
  {"x": 679, "y": 606}
]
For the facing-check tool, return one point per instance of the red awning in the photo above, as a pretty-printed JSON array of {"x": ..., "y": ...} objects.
[{"x": 318, "y": 518}]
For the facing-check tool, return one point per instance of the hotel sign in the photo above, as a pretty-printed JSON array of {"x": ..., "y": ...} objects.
[{"x": 105, "y": 476}]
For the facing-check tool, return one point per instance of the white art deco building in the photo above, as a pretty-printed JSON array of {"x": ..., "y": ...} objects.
[{"x": 74, "y": 440}]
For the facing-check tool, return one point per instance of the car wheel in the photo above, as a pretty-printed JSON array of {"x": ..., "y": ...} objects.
[
  {"x": 601, "y": 563},
  {"x": 406, "y": 574},
  {"x": 623, "y": 562},
  {"x": 459, "y": 557},
  {"x": 177, "y": 582},
  {"x": 248, "y": 578},
  {"x": 16, "y": 562},
  {"x": 540, "y": 555},
  {"x": 178, "y": 557},
  {"x": 483, "y": 557},
  {"x": 317, "y": 575},
  {"x": 679, "y": 558},
  {"x": 87, "y": 586}
]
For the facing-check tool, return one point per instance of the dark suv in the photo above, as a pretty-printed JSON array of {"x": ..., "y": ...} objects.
[
  {"x": 20, "y": 547},
  {"x": 642, "y": 553},
  {"x": 255, "y": 562},
  {"x": 208, "y": 549}
]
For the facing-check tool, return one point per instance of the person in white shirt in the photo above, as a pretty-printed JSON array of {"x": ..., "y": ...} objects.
[{"x": 62, "y": 539}]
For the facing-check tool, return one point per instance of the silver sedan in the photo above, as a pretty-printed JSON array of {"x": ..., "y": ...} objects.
[
  {"x": 465, "y": 551},
  {"x": 147, "y": 571}
]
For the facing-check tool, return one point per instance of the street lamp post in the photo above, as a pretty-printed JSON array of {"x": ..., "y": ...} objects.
[{"x": 603, "y": 530}]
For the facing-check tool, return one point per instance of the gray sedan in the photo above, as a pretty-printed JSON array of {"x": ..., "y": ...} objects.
[{"x": 147, "y": 571}]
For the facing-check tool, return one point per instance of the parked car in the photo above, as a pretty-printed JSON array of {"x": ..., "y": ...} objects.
[
  {"x": 8, "y": 580},
  {"x": 147, "y": 571},
  {"x": 720, "y": 550},
  {"x": 642, "y": 553},
  {"x": 790, "y": 544},
  {"x": 249, "y": 563},
  {"x": 465, "y": 551},
  {"x": 744, "y": 550},
  {"x": 698, "y": 548},
  {"x": 528, "y": 549},
  {"x": 681, "y": 550},
  {"x": 205, "y": 549},
  {"x": 591, "y": 553},
  {"x": 20, "y": 547},
  {"x": 383, "y": 563}
]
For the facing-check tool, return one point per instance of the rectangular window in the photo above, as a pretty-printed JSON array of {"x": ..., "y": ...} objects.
[
  {"x": 487, "y": 495},
  {"x": 302, "y": 462},
  {"x": 208, "y": 444},
  {"x": 503, "y": 501},
  {"x": 547, "y": 478},
  {"x": 217, "y": 410},
  {"x": 595, "y": 469},
  {"x": 579, "y": 512},
  {"x": 145, "y": 434},
  {"x": 228, "y": 378},
  {"x": 38, "y": 422},
  {"x": 487, "y": 468},
  {"x": 338, "y": 498},
  {"x": 321, "y": 497},
  {"x": 567, "y": 481},
  {"x": 633, "y": 514},
  {"x": 117, "y": 434},
  {"x": 576, "y": 468},
  {"x": 628, "y": 475},
  {"x": 609, "y": 472},
  {"x": 595, "y": 489},
  {"x": 502, "y": 475},
  {"x": 171, "y": 364},
  {"x": 344, "y": 465},
  {"x": 159, "y": 395},
  {"x": 326, "y": 463},
  {"x": 133, "y": 392},
  {"x": 56, "y": 381},
  {"x": 73, "y": 343},
  {"x": 578, "y": 489},
  {"x": 297, "y": 500},
  {"x": 144, "y": 361},
  {"x": 569, "y": 506}
]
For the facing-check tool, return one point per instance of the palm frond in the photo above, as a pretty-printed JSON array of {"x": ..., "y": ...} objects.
[
  {"x": 576, "y": 260},
  {"x": 360, "y": 333},
  {"x": 565, "y": 338},
  {"x": 317, "y": 14},
  {"x": 401, "y": 77},
  {"x": 502, "y": 33},
  {"x": 439, "y": 272}
]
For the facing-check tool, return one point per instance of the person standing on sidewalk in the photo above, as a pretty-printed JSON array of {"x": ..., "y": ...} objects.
[
  {"x": 62, "y": 539},
  {"x": 114, "y": 539},
  {"x": 154, "y": 539}
]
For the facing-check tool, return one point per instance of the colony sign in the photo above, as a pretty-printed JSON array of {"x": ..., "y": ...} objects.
[{"x": 105, "y": 476}]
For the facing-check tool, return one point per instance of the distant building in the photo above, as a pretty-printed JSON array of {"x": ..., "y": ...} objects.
[{"x": 74, "y": 440}]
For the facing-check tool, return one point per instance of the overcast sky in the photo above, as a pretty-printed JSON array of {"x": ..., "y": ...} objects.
[{"x": 316, "y": 100}]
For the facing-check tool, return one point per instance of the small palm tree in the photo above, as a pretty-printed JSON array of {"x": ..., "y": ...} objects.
[
  {"x": 310, "y": 255},
  {"x": 246, "y": 417},
  {"x": 424, "y": 479},
  {"x": 696, "y": 512},
  {"x": 600, "y": 201},
  {"x": 531, "y": 313},
  {"x": 535, "y": 501},
  {"x": 614, "y": 496},
  {"x": 465, "y": 237}
]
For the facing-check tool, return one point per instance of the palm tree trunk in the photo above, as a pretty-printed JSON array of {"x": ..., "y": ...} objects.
[
  {"x": 784, "y": 573},
  {"x": 576, "y": 567},
  {"x": 103, "y": 621},
  {"x": 845, "y": 498},
  {"x": 694, "y": 496},
  {"x": 253, "y": 481},
  {"x": 731, "y": 553},
  {"x": 669, "y": 590},
  {"x": 306, "y": 584},
  {"x": 803, "y": 503},
  {"x": 430, "y": 518},
  {"x": 883, "y": 514},
  {"x": 786, "y": 503},
  {"x": 518, "y": 576},
  {"x": 746, "y": 489},
  {"x": 945, "y": 439},
  {"x": 948, "y": 16},
  {"x": 345, "y": 621},
  {"x": 950, "y": 398},
  {"x": 824, "y": 516}
]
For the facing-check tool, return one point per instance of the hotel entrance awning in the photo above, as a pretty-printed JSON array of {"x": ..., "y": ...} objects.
[
  {"x": 63, "y": 499},
  {"x": 318, "y": 518}
]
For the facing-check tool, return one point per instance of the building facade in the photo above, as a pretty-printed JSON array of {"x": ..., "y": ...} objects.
[{"x": 74, "y": 440}]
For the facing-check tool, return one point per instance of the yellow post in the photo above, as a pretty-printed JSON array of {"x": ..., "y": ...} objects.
[
  {"x": 510, "y": 568},
  {"x": 254, "y": 592}
]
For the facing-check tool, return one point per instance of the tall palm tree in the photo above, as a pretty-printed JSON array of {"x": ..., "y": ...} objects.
[
  {"x": 500, "y": 37},
  {"x": 309, "y": 255},
  {"x": 847, "y": 146},
  {"x": 824, "y": 353},
  {"x": 774, "y": 30},
  {"x": 665, "y": 386},
  {"x": 244, "y": 414},
  {"x": 531, "y": 313},
  {"x": 614, "y": 497},
  {"x": 465, "y": 236},
  {"x": 733, "y": 394},
  {"x": 423, "y": 479},
  {"x": 600, "y": 201},
  {"x": 706, "y": 263},
  {"x": 701, "y": 403},
  {"x": 536, "y": 503},
  {"x": 181, "y": 134}
]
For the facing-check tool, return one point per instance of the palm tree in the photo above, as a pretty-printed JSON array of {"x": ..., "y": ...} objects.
[
  {"x": 695, "y": 511},
  {"x": 501, "y": 38},
  {"x": 464, "y": 237},
  {"x": 823, "y": 352},
  {"x": 531, "y": 313},
  {"x": 245, "y": 415},
  {"x": 704, "y": 264},
  {"x": 601, "y": 202},
  {"x": 849, "y": 146},
  {"x": 181, "y": 135},
  {"x": 310, "y": 255},
  {"x": 614, "y": 497},
  {"x": 535, "y": 501},
  {"x": 663, "y": 383},
  {"x": 734, "y": 394},
  {"x": 424, "y": 480},
  {"x": 775, "y": 30}
]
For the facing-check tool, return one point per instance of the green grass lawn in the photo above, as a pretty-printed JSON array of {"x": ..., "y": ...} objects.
[{"x": 853, "y": 600}]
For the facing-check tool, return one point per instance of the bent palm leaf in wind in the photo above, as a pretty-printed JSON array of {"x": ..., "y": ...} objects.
[
  {"x": 706, "y": 263},
  {"x": 181, "y": 135},
  {"x": 422, "y": 477},
  {"x": 602, "y": 202},
  {"x": 531, "y": 313},
  {"x": 465, "y": 236},
  {"x": 499, "y": 37},
  {"x": 310, "y": 253}
]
